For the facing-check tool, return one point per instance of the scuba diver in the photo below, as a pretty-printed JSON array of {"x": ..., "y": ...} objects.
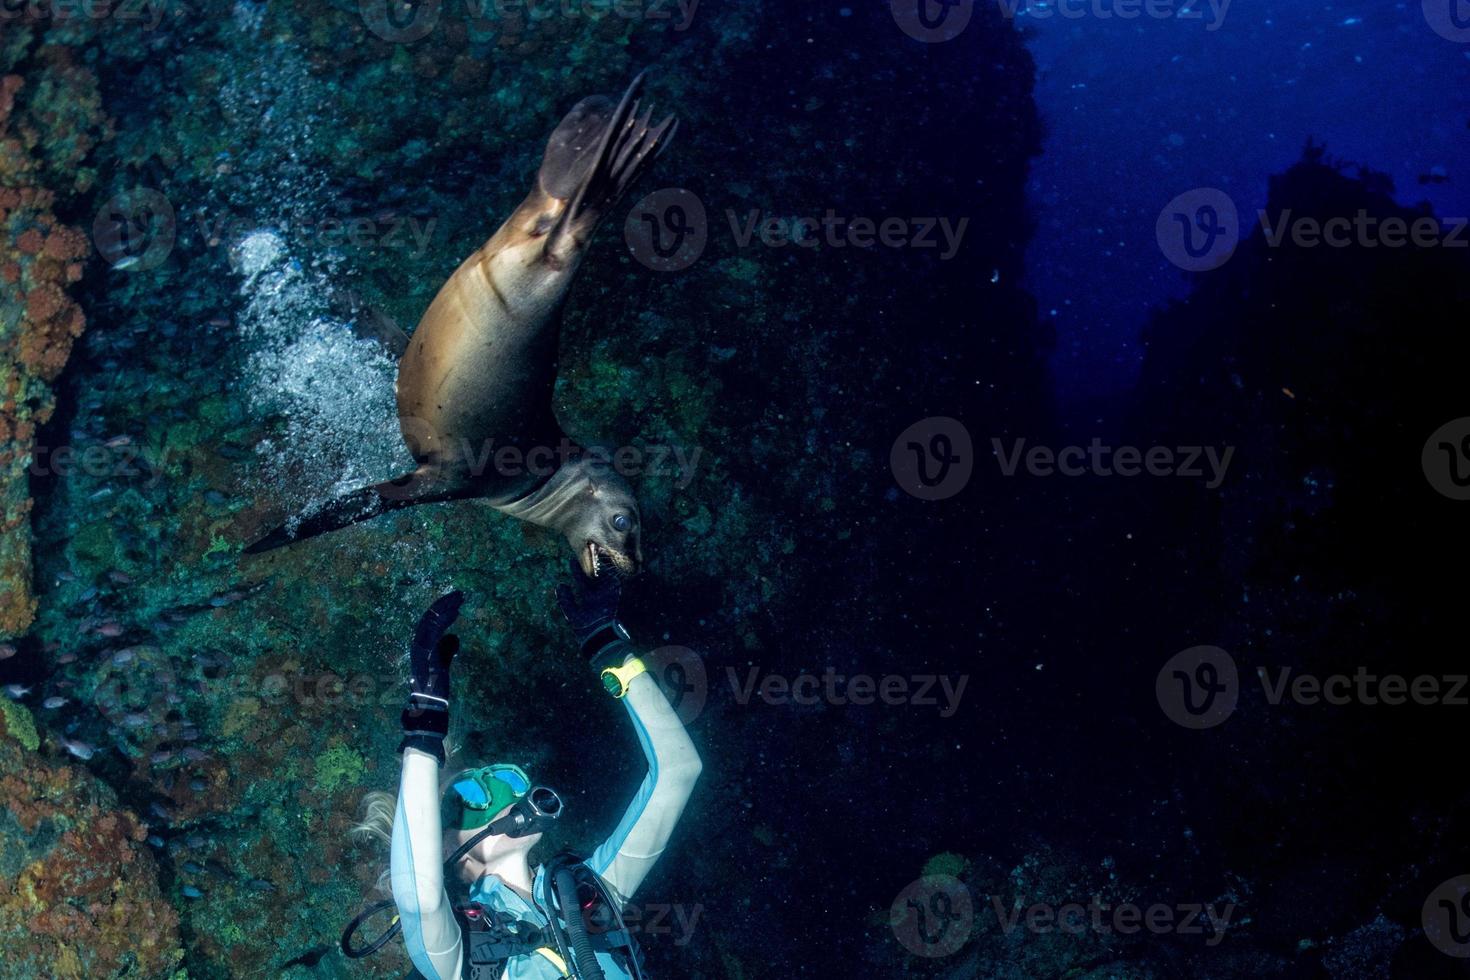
[{"x": 515, "y": 924}]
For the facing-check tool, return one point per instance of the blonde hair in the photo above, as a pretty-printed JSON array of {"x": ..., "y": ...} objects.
[{"x": 379, "y": 808}]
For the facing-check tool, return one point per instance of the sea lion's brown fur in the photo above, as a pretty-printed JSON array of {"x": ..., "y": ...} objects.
[{"x": 478, "y": 373}]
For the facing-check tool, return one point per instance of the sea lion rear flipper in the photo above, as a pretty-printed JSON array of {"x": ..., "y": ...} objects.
[
  {"x": 593, "y": 157},
  {"x": 418, "y": 487}
]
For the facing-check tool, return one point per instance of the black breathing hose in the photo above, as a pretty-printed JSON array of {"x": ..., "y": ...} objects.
[{"x": 566, "y": 892}]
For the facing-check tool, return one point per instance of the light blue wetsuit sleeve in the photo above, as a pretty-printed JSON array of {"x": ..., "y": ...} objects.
[
  {"x": 417, "y": 871},
  {"x": 625, "y": 858}
]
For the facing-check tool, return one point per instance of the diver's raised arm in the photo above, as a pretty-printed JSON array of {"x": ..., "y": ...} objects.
[
  {"x": 626, "y": 857},
  {"x": 430, "y": 931}
]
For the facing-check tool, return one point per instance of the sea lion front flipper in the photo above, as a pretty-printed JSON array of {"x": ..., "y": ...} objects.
[
  {"x": 422, "y": 486},
  {"x": 593, "y": 157}
]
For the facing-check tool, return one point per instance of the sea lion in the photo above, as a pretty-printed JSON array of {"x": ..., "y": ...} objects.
[{"x": 475, "y": 382}]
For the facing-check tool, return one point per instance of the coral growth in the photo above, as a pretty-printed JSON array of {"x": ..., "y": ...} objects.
[
  {"x": 50, "y": 120},
  {"x": 79, "y": 894}
]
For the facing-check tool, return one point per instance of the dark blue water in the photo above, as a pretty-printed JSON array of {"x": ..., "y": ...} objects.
[{"x": 1062, "y": 582}]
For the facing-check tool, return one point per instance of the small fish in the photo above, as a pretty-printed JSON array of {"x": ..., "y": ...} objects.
[
  {"x": 195, "y": 841},
  {"x": 161, "y": 756},
  {"x": 189, "y": 891},
  {"x": 259, "y": 885},
  {"x": 198, "y": 785},
  {"x": 160, "y": 811},
  {"x": 110, "y": 628},
  {"x": 117, "y": 442},
  {"x": 136, "y": 719},
  {"x": 155, "y": 841},
  {"x": 121, "y": 578},
  {"x": 54, "y": 702},
  {"x": 124, "y": 656},
  {"x": 191, "y": 754},
  {"x": 194, "y": 867},
  {"x": 80, "y": 749},
  {"x": 69, "y": 657},
  {"x": 6, "y": 651},
  {"x": 17, "y": 690}
]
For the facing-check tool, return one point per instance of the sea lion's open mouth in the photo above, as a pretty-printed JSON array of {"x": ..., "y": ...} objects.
[{"x": 598, "y": 557}]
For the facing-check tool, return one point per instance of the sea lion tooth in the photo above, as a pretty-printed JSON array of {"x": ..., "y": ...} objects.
[{"x": 475, "y": 379}]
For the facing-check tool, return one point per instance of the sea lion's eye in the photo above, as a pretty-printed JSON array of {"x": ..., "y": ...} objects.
[{"x": 620, "y": 522}]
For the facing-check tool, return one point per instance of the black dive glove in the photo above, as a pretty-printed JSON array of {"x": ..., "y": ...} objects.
[
  {"x": 426, "y": 715},
  {"x": 591, "y": 607}
]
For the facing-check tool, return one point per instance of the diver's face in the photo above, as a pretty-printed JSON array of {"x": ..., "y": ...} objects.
[
  {"x": 491, "y": 851},
  {"x": 606, "y": 536}
]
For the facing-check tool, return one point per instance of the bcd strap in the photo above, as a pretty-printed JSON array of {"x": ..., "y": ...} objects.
[{"x": 555, "y": 959}]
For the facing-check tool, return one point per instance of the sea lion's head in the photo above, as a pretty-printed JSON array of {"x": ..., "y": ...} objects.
[{"x": 602, "y": 525}]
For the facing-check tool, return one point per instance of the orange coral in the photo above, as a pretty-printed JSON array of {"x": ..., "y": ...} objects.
[{"x": 39, "y": 258}]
